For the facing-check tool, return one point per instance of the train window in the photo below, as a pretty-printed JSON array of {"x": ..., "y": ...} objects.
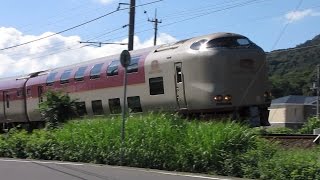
[
  {"x": 179, "y": 74},
  {"x": 133, "y": 67},
  {"x": 65, "y": 76},
  {"x": 50, "y": 78},
  {"x": 114, "y": 105},
  {"x": 29, "y": 92},
  {"x": 243, "y": 41},
  {"x": 156, "y": 86},
  {"x": 81, "y": 108},
  {"x": 19, "y": 92},
  {"x": 80, "y": 73},
  {"x": 134, "y": 104},
  {"x": 8, "y": 100},
  {"x": 229, "y": 42},
  {"x": 97, "y": 108},
  {"x": 112, "y": 69},
  {"x": 40, "y": 92},
  {"x": 95, "y": 71},
  {"x": 198, "y": 44}
]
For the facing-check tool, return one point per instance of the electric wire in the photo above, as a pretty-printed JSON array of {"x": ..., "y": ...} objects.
[
  {"x": 74, "y": 27},
  {"x": 255, "y": 77}
]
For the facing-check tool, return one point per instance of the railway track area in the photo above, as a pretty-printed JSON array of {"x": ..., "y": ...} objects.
[{"x": 294, "y": 140}]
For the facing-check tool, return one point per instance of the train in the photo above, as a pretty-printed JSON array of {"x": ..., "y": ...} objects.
[{"x": 218, "y": 73}]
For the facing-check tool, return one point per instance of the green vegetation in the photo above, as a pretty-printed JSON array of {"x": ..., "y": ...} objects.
[
  {"x": 164, "y": 141},
  {"x": 57, "y": 108},
  {"x": 293, "y": 72},
  {"x": 307, "y": 128}
]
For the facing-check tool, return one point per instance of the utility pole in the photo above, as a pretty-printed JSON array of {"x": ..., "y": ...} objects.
[
  {"x": 318, "y": 91},
  {"x": 155, "y": 21},
  {"x": 131, "y": 24},
  {"x": 316, "y": 86}
]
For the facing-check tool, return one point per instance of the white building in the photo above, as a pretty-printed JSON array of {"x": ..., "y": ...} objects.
[{"x": 292, "y": 111}]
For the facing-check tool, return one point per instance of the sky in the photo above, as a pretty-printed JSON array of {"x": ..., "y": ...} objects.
[{"x": 272, "y": 24}]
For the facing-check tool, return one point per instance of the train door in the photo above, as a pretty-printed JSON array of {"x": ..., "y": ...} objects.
[
  {"x": 40, "y": 92},
  {"x": 2, "y": 112},
  {"x": 179, "y": 85},
  {"x": 6, "y": 104}
]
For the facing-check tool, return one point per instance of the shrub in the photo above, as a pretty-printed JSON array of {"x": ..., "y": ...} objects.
[
  {"x": 164, "y": 141},
  {"x": 16, "y": 142},
  {"x": 292, "y": 164},
  {"x": 308, "y": 127},
  {"x": 57, "y": 108},
  {"x": 42, "y": 145}
]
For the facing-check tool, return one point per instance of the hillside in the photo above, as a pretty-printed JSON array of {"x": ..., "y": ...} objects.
[{"x": 292, "y": 71}]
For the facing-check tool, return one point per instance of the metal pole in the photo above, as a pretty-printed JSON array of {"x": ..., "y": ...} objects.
[
  {"x": 155, "y": 28},
  {"x": 124, "y": 111},
  {"x": 318, "y": 91},
  {"x": 131, "y": 24},
  {"x": 155, "y": 21}
]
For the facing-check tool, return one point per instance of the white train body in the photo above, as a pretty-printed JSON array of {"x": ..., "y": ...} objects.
[{"x": 217, "y": 73}]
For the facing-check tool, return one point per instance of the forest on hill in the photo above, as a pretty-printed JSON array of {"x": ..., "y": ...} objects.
[{"x": 292, "y": 71}]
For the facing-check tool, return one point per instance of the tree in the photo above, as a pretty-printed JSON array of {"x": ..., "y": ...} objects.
[{"x": 57, "y": 108}]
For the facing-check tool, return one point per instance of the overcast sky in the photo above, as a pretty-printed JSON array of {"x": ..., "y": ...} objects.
[{"x": 23, "y": 21}]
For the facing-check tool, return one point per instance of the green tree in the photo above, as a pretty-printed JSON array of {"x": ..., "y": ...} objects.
[{"x": 57, "y": 108}]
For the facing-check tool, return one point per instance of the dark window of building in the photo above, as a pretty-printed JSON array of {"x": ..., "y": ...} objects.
[
  {"x": 112, "y": 69},
  {"x": 115, "y": 107},
  {"x": 81, "y": 108},
  {"x": 50, "y": 78},
  {"x": 156, "y": 86},
  {"x": 80, "y": 73},
  {"x": 65, "y": 76},
  {"x": 134, "y": 104},
  {"x": 97, "y": 108},
  {"x": 96, "y": 71},
  {"x": 8, "y": 100},
  {"x": 134, "y": 64}
]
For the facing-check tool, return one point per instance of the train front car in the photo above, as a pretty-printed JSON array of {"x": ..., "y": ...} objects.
[{"x": 226, "y": 72}]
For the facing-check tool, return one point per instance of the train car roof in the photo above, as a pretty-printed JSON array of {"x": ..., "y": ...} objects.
[{"x": 11, "y": 83}]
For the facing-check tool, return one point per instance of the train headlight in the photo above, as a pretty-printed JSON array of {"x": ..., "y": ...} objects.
[
  {"x": 218, "y": 98},
  {"x": 267, "y": 96},
  {"x": 227, "y": 98}
]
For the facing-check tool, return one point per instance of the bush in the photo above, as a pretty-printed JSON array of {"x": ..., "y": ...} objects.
[
  {"x": 293, "y": 164},
  {"x": 164, "y": 141},
  {"x": 42, "y": 145},
  {"x": 57, "y": 108},
  {"x": 308, "y": 127},
  {"x": 16, "y": 141}
]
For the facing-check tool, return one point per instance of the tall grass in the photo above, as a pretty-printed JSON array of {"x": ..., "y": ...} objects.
[
  {"x": 160, "y": 141},
  {"x": 157, "y": 141}
]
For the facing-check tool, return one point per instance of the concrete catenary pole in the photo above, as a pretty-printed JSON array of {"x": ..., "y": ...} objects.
[
  {"x": 131, "y": 24},
  {"x": 318, "y": 91}
]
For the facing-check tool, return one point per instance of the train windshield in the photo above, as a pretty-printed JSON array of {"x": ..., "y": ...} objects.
[{"x": 230, "y": 42}]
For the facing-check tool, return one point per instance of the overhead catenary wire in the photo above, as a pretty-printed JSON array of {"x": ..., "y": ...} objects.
[
  {"x": 191, "y": 18},
  {"x": 264, "y": 63},
  {"x": 111, "y": 31},
  {"x": 152, "y": 29},
  {"x": 74, "y": 27}
]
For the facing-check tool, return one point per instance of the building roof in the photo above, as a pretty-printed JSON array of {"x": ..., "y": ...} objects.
[{"x": 294, "y": 99}]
